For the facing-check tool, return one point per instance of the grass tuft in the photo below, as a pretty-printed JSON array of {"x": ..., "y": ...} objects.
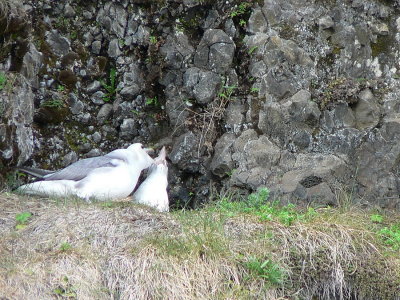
[
  {"x": 257, "y": 204},
  {"x": 391, "y": 236}
]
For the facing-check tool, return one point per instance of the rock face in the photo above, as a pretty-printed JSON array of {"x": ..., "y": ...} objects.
[
  {"x": 299, "y": 96},
  {"x": 16, "y": 137}
]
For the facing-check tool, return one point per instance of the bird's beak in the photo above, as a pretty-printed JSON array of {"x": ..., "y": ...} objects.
[{"x": 149, "y": 151}]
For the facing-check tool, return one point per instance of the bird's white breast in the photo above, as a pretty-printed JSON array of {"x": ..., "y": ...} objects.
[
  {"x": 108, "y": 183},
  {"x": 153, "y": 191}
]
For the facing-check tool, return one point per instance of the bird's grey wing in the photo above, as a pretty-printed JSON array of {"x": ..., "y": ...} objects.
[{"x": 82, "y": 168}]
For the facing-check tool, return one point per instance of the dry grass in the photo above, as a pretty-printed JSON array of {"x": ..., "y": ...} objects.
[
  {"x": 204, "y": 122},
  {"x": 124, "y": 251}
]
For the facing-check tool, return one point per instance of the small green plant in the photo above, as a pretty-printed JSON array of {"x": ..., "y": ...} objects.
[
  {"x": 107, "y": 204},
  {"x": 230, "y": 173},
  {"x": 53, "y": 103},
  {"x": 254, "y": 90},
  {"x": 65, "y": 289},
  {"x": 121, "y": 42},
  {"x": 391, "y": 236},
  {"x": 62, "y": 23},
  {"x": 22, "y": 220},
  {"x": 111, "y": 88},
  {"x": 240, "y": 9},
  {"x": 135, "y": 112},
  {"x": 152, "y": 101},
  {"x": 73, "y": 35},
  {"x": 227, "y": 91},
  {"x": 242, "y": 23},
  {"x": 65, "y": 246},
  {"x": 153, "y": 39},
  {"x": 3, "y": 80},
  {"x": 267, "y": 270},
  {"x": 252, "y": 49},
  {"x": 60, "y": 88},
  {"x": 188, "y": 102},
  {"x": 376, "y": 218}
]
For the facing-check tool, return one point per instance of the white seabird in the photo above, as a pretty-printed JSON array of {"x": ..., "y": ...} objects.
[
  {"x": 108, "y": 177},
  {"x": 153, "y": 191}
]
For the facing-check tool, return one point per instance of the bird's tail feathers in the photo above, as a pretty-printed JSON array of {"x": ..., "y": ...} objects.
[
  {"x": 58, "y": 188},
  {"x": 39, "y": 173}
]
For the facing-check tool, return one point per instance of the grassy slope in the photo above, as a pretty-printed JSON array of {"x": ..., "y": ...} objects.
[{"x": 69, "y": 249}]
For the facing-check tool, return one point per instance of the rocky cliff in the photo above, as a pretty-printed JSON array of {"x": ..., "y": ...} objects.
[{"x": 301, "y": 96}]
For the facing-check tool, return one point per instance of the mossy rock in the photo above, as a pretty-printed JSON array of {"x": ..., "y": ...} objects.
[
  {"x": 67, "y": 78},
  {"x": 382, "y": 45}
]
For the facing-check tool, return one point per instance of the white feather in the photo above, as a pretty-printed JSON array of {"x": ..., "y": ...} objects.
[
  {"x": 108, "y": 177},
  {"x": 153, "y": 191}
]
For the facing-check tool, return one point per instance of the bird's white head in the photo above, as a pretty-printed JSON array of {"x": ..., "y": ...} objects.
[
  {"x": 160, "y": 162},
  {"x": 141, "y": 155}
]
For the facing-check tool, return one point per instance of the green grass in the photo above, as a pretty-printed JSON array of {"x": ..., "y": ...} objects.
[
  {"x": 22, "y": 220},
  {"x": 53, "y": 103},
  {"x": 376, "y": 218},
  {"x": 391, "y": 236},
  {"x": 266, "y": 270},
  {"x": 232, "y": 248},
  {"x": 65, "y": 246},
  {"x": 3, "y": 80},
  {"x": 257, "y": 204},
  {"x": 201, "y": 234}
]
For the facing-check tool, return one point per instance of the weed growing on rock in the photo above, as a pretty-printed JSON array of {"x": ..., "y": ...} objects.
[
  {"x": 227, "y": 91},
  {"x": 252, "y": 49},
  {"x": 153, "y": 101},
  {"x": 240, "y": 9},
  {"x": 3, "y": 80},
  {"x": 53, "y": 103},
  {"x": 153, "y": 39},
  {"x": 7, "y": 82},
  {"x": 206, "y": 121},
  {"x": 254, "y": 90},
  {"x": 60, "y": 88},
  {"x": 111, "y": 88}
]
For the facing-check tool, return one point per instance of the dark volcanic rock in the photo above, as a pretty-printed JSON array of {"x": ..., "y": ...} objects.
[{"x": 299, "y": 96}]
